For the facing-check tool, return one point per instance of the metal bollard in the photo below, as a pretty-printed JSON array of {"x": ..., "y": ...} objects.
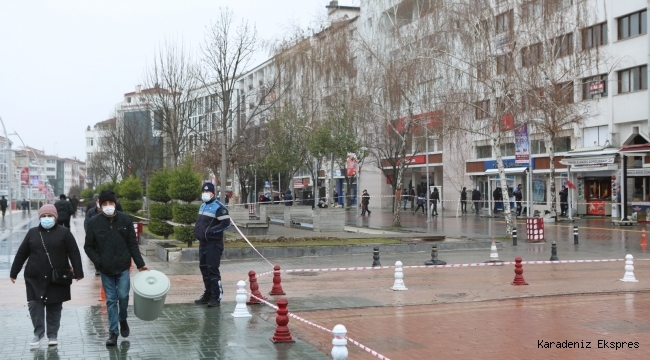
[
  {"x": 514, "y": 236},
  {"x": 375, "y": 257},
  {"x": 575, "y": 235},
  {"x": 554, "y": 252}
]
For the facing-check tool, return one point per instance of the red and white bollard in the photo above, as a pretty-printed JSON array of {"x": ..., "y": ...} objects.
[
  {"x": 277, "y": 287},
  {"x": 339, "y": 351},
  {"x": 282, "y": 333},
  {"x": 255, "y": 289}
]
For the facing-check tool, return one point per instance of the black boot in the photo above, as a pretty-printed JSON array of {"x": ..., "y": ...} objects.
[
  {"x": 214, "y": 301},
  {"x": 112, "y": 340},
  {"x": 124, "y": 329},
  {"x": 204, "y": 299}
]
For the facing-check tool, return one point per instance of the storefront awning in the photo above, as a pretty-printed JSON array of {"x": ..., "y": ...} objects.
[
  {"x": 513, "y": 170},
  {"x": 589, "y": 160},
  {"x": 638, "y": 149}
]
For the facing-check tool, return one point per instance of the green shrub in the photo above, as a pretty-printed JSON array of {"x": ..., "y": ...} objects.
[
  {"x": 185, "y": 214},
  {"x": 160, "y": 228},
  {"x": 184, "y": 183},
  {"x": 87, "y": 194},
  {"x": 185, "y": 234},
  {"x": 161, "y": 211},
  {"x": 130, "y": 188},
  {"x": 131, "y": 206},
  {"x": 158, "y": 186}
]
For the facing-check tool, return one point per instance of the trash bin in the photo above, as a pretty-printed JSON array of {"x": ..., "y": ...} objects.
[
  {"x": 149, "y": 292},
  {"x": 137, "y": 226}
]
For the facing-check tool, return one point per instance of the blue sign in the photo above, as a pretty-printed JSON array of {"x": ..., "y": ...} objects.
[
  {"x": 507, "y": 163},
  {"x": 266, "y": 184}
]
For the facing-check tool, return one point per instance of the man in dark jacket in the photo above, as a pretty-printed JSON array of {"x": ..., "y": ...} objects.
[
  {"x": 93, "y": 209},
  {"x": 564, "y": 201},
  {"x": 65, "y": 210},
  {"x": 3, "y": 206},
  {"x": 476, "y": 197},
  {"x": 213, "y": 220},
  {"x": 518, "y": 197},
  {"x": 463, "y": 201},
  {"x": 497, "y": 196},
  {"x": 75, "y": 205},
  {"x": 288, "y": 198},
  {"x": 434, "y": 198},
  {"x": 110, "y": 245},
  {"x": 365, "y": 201}
]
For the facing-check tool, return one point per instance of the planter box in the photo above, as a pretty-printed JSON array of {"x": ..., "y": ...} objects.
[{"x": 329, "y": 219}]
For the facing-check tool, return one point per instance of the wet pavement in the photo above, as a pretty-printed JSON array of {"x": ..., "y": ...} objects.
[{"x": 467, "y": 312}]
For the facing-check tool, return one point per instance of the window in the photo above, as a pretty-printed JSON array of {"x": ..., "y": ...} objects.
[
  {"x": 563, "y": 144},
  {"x": 483, "y": 152},
  {"x": 633, "y": 79},
  {"x": 594, "y": 36},
  {"x": 507, "y": 149},
  {"x": 482, "y": 73},
  {"x": 563, "y": 45},
  {"x": 128, "y": 99},
  {"x": 89, "y": 141},
  {"x": 595, "y": 136},
  {"x": 563, "y": 93},
  {"x": 50, "y": 169},
  {"x": 632, "y": 25},
  {"x": 532, "y": 10},
  {"x": 537, "y": 147},
  {"x": 554, "y": 5},
  {"x": 482, "y": 109},
  {"x": 594, "y": 87},
  {"x": 504, "y": 64},
  {"x": 504, "y": 22},
  {"x": 531, "y": 55}
]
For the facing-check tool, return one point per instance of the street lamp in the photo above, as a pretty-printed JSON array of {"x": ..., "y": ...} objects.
[{"x": 363, "y": 150}]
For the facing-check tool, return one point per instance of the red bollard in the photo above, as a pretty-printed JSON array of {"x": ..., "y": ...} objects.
[
  {"x": 643, "y": 243},
  {"x": 277, "y": 288},
  {"x": 255, "y": 289},
  {"x": 282, "y": 334},
  {"x": 102, "y": 295},
  {"x": 519, "y": 278}
]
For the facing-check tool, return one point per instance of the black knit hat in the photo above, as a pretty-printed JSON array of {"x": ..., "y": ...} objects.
[{"x": 106, "y": 195}]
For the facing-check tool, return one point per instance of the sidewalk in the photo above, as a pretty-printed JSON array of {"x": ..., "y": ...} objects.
[{"x": 470, "y": 312}]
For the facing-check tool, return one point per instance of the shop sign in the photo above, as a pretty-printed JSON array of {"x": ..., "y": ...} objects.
[
  {"x": 413, "y": 160},
  {"x": 588, "y": 161},
  {"x": 596, "y": 88},
  {"x": 638, "y": 172},
  {"x": 507, "y": 163},
  {"x": 522, "y": 153},
  {"x": 297, "y": 184},
  {"x": 34, "y": 181}
]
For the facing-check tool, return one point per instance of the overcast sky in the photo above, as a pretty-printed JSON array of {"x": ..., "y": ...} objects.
[{"x": 65, "y": 64}]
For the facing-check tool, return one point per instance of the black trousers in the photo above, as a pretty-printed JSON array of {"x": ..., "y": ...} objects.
[
  {"x": 42, "y": 312},
  {"x": 65, "y": 223},
  {"x": 463, "y": 206},
  {"x": 209, "y": 262},
  {"x": 418, "y": 208},
  {"x": 518, "y": 208}
]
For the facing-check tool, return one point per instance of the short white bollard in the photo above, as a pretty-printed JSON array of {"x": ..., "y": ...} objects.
[
  {"x": 629, "y": 269},
  {"x": 399, "y": 277},
  {"x": 339, "y": 351},
  {"x": 240, "y": 309}
]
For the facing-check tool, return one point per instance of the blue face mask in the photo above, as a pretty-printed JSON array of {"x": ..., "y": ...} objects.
[{"x": 47, "y": 222}]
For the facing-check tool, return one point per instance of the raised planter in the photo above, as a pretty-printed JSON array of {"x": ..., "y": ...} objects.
[
  {"x": 166, "y": 251},
  {"x": 329, "y": 219}
]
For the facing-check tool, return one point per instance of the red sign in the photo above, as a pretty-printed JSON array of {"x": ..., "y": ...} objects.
[
  {"x": 507, "y": 122},
  {"x": 596, "y": 207},
  {"x": 413, "y": 160},
  {"x": 351, "y": 165},
  {"x": 24, "y": 176},
  {"x": 597, "y": 88},
  {"x": 297, "y": 183}
]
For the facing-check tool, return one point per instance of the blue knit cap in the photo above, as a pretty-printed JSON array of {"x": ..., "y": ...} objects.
[{"x": 208, "y": 186}]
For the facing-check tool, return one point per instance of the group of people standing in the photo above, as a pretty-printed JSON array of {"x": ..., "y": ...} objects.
[{"x": 434, "y": 199}]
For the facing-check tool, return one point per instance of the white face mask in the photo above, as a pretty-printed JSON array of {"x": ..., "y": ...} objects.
[
  {"x": 109, "y": 210},
  {"x": 206, "y": 197}
]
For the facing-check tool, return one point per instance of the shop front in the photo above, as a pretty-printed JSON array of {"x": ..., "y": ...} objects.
[
  {"x": 485, "y": 175},
  {"x": 595, "y": 174}
]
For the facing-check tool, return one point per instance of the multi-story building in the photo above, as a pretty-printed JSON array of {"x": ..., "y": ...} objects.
[{"x": 99, "y": 168}]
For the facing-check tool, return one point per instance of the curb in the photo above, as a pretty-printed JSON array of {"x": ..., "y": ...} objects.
[{"x": 290, "y": 252}]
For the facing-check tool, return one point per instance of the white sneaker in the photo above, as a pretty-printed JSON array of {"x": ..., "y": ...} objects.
[
  {"x": 36, "y": 340},
  {"x": 52, "y": 342}
]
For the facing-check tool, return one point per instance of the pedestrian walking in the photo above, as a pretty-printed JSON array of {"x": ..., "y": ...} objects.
[
  {"x": 420, "y": 201},
  {"x": 213, "y": 220},
  {"x": 288, "y": 198},
  {"x": 110, "y": 245},
  {"x": 463, "y": 201},
  {"x": 94, "y": 211},
  {"x": 75, "y": 205},
  {"x": 476, "y": 198},
  {"x": 227, "y": 199},
  {"x": 412, "y": 198},
  {"x": 365, "y": 201},
  {"x": 497, "y": 196},
  {"x": 65, "y": 210},
  {"x": 435, "y": 198},
  {"x": 3, "y": 206},
  {"x": 92, "y": 203},
  {"x": 24, "y": 205},
  {"x": 564, "y": 201},
  {"x": 518, "y": 198},
  {"x": 50, "y": 248}
]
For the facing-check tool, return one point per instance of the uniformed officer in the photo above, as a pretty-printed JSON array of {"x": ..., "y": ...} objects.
[{"x": 213, "y": 220}]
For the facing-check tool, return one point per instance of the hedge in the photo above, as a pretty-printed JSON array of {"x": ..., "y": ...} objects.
[
  {"x": 161, "y": 211},
  {"x": 185, "y": 214},
  {"x": 185, "y": 234},
  {"x": 131, "y": 206},
  {"x": 160, "y": 228}
]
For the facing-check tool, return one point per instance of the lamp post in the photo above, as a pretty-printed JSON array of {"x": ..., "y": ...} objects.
[{"x": 360, "y": 161}]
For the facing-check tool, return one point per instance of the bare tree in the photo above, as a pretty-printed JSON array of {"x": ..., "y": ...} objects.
[
  {"x": 227, "y": 53},
  {"x": 171, "y": 89}
]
